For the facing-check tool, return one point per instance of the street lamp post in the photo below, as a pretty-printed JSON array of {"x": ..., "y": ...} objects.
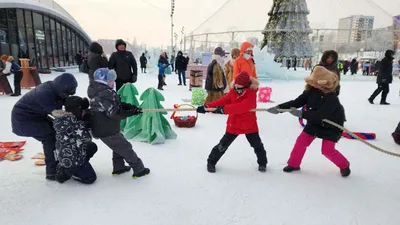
[
  {"x": 172, "y": 26},
  {"x": 182, "y": 35}
]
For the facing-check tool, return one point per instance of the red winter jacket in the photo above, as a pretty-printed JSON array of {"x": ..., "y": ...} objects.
[{"x": 240, "y": 120}]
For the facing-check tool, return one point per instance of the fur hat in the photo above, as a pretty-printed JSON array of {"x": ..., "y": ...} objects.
[
  {"x": 104, "y": 75},
  {"x": 243, "y": 79},
  {"x": 323, "y": 79}
]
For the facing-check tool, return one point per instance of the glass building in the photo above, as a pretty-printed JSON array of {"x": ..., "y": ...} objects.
[{"x": 46, "y": 35}]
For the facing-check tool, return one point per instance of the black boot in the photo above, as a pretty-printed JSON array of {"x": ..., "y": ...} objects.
[
  {"x": 345, "y": 172},
  {"x": 145, "y": 172},
  {"x": 210, "y": 168},
  {"x": 371, "y": 101},
  {"x": 385, "y": 103},
  {"x": 289, "y": 169},
  {"x": 119, "y": 172},
  {"x": 51, "y": 177},
  {"x": 262, "y": 169}
]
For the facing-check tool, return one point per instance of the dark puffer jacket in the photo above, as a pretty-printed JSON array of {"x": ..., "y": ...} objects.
[
  {"x": 29, "y": 114},
  {"x": 319, "y": 106},
  {"x": 106, "y": 110},
  {"x": 95, "y": 60},
  {"x": 386, "y": 69},
  {"x": 124, "y": 63},
  {"x": 180, "y": 62},
  {"x": 72, "y": 139}
]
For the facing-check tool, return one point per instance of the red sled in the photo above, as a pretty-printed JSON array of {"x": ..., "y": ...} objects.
[{"x": 14, "y": 144}]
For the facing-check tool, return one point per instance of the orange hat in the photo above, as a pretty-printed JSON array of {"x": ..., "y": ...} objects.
[{"x": 4, "y": 57}]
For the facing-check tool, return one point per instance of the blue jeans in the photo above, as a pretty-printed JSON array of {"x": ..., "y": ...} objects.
[{"x": 182, "y": 76}]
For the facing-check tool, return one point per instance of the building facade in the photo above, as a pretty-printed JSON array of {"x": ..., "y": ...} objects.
[
  {"x": 46, "y": 35},
  {"x": 355, "y": 28}
]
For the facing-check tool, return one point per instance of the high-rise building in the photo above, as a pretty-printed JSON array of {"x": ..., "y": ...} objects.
[
  {"x": 42, "y": 31},
  {"x": 355, "y": 28}
]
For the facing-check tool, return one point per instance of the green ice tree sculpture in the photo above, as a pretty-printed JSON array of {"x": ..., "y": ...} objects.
[
  {"x": 287, "y": 31},
  {"x": 150, "y": 127},
  {"x": 128, "y": 94}
]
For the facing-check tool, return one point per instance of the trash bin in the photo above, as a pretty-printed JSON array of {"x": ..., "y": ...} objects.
[{"x": 196, "y": 79}]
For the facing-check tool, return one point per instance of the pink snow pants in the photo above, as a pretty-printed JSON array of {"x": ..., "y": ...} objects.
[{"x": 328, "y": 150}]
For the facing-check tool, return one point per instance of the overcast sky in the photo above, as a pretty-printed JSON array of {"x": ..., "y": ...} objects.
[{"x": 150, "y": 23}]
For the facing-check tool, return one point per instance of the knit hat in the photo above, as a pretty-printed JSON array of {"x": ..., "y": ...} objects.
[
  {"x": 104, "y": 75},
  {"x": 4, "y": 57},
  {"x": 219, "y": 51},
  {"x": 243, "y": 79},
  {"x": 119, "y": 42},
  {"x": 323, "y": 79}
]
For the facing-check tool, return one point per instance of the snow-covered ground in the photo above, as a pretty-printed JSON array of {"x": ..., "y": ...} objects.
[{"x": 179, "y": 190}]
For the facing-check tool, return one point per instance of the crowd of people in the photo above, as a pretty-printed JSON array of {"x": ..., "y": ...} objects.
[{"x": 61, "y": 121}]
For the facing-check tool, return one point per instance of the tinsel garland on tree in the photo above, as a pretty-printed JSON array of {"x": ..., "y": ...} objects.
[{"x": 287, "y": 31}]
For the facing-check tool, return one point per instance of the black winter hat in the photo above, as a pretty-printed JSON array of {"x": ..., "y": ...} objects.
[
  {"x": 119, "y": 42},
  {"x": 75, "y": 102},
  {"x": 389, "y": 54},
  {"x": 96, "y": 48}
]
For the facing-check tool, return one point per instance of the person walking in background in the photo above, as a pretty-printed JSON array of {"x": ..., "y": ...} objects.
[
  {"x": 143, "y": 63},
  {"x": 79, "y": 60},
  {"x": 229, "y": 67},
  {"x": 162, "y": 64},
  {"x": 124, "y": 63},
  {"x": 12, "y": 67},
  {"x": 245, "y": 62},
  {"x": 384, "y": 78},
  {"x": 215, "y": 81},
  {"x": 353, "y": 66},
  {"x": 180, "y": 68},
  {"x": 295, "y": 63},
  {"x": 172, "y": 60},
  {"x": 96, "y": 59}
]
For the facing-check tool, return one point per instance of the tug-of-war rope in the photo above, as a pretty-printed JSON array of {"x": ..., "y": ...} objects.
[{"x": 353, "y": 135}]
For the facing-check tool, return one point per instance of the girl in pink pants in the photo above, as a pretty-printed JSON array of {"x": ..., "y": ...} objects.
[{"x": 321, "y": 103}]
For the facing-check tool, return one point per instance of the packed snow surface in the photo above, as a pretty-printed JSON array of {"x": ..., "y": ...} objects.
[{"x": 180, "y": 191}]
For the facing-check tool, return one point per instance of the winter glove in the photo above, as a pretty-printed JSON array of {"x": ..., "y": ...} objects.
[
  {"x": 136, "y": 110},
  {"x": 201, "y": 109},
  {"x": 296, "y": 112},
  {"x": 219, "y": 110},
  {"x": 273, "y": 110},
  {"x": 91, "y": 149},
  {"x": 126, "y": 106}
]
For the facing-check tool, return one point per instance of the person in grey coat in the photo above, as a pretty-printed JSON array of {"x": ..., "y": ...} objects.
[{"x": 107, "y": 111}]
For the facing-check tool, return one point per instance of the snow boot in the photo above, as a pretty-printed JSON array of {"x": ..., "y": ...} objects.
[
  {"x": 145, "y": 172},
  {"x": 385, "y": 103},
  {"x": 345, "y": 172},
  {"x": 51, "y": 177},
  {"x": 210, "y": 168},
  {"x": 262, "y": 169},
  {"x": 119, "y": 172},
  {"x": 396, "y": 137},
  {"x": 62, "y": 175},
  {"x": 371, "y": 101},
  {"x": 289, "y": 169}
]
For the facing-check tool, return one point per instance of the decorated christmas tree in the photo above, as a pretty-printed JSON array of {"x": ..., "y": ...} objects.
[
  {"x": 150, "y": 127},
  {"x": 287, "y": 31},
  {"x": 128, "y": 94}
]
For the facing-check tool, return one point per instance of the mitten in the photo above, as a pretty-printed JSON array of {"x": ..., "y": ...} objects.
[
  {"x": 201, "y": 109},
  {"x": 219, "y": 110},
  {"x": 296, "y": 112},
  {"x": 91, "y": 149},
  {"x": 273, "y": 110}
]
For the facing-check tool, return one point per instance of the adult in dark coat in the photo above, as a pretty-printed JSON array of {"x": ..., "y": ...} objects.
[
  {"x": 329, "y": 60},
  {"x": 353, "y": 66},
  {"x": 96, "y": 59},
  {"x": 79, "y": 59},
  {"x": 384, "y": 78},
  {"x": 143, "y": 63},
  {"x": 180, "y": 67},
  {"x": 124, "y": 63},
  {"x": 29, "y": 116}
]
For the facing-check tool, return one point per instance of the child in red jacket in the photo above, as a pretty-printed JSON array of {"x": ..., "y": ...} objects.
[{"x": 237, "y": 104}]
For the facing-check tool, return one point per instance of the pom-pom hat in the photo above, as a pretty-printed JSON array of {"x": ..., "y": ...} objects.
[
  {"x": 243, "y": 79},
  {"x": 104, "y": 75}
]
